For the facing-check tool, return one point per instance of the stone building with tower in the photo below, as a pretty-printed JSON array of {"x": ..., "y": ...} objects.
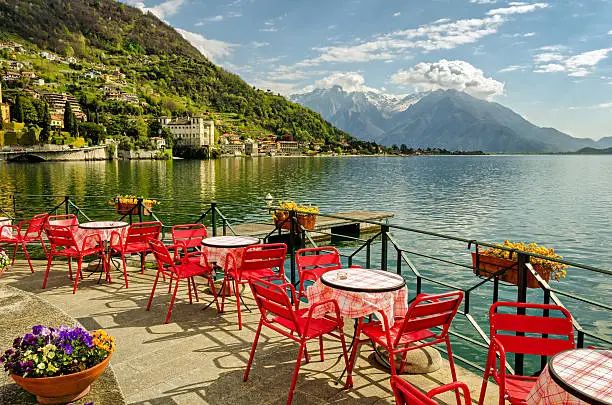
[{"x": 194, "y": 132}]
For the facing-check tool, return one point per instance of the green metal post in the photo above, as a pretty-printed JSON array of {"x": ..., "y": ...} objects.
[
  {"x": 384, "y": 229},
  {"x": 521, "y": 296},
  {"x": 213, "y": 216},
  {"x": 140, "y": 207},
  {"x": 67, "y": 204},
  {"x": 292, "y": 219}
]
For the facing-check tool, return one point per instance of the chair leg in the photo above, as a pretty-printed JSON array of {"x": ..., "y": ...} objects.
[
  {"x": 42, "y": 242},
  {"x": 189, "y": 280},
  {"x": 252, "y": 354},
  {"x": 295, "y": 372},
  {"x": 14, "y": 253},
  {"x": 70, "y": 268},
  {"x": 321, "y": 348},
  {"x": 451, "y": 362},
  {"x": 485, "y": 381},
  {"x": 125, "y": 276},
  {"x": 195, "y": 289},
  {"x": 178, "y": 279},
  {"x": 344, "y": 349},
  {"x": 142, "y": 262},
  {"x": 78, "y": 275},
  {"x": 49, "y": 260},
  {"x": 224, "y": 287},
  {"x": 237, "y": 292},
  {"x": 25, "y": 251},
  {"x": 153, "y": 290},
  {"x": 211, "y": 283}
]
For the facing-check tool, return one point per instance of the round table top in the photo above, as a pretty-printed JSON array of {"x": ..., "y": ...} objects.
[
  {"x": 584, "y": 373},
  {"x": 103, "y": 225},
  {"x": 363, "y": 280},
  {"x": 230, "y": 241}
]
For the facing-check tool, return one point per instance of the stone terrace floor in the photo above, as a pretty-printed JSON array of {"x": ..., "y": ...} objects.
[{"x": 200, "y": 356}]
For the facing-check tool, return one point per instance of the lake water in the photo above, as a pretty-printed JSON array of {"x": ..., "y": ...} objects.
[{"x": 559, "y": 201}]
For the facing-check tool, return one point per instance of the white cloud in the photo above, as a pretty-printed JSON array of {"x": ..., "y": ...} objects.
[
  {"x": 579, "y": 65},
  {"x": 268, "y": 29},
  {"x": 512, "y": 68},
  {"x": 216, "y": 18},
  {"x": 593, "y": 107},
  {"x": 349, "y": 81},
  {"x": 483, "y": 1},
  {"x": 454, "y": 74},
  {"x": 610, "y": 32},
  {"x": 211, "y": 48},
  {"x": 517, "y": 8},
  {"x": 397, "y": 14},
  {"x": 161, "y": 11},
  {"x": 259, "y": 44},
  {"x": 550, "y": 68}
]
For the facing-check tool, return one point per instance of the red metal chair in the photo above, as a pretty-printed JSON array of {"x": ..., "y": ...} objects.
[
  {"x": 311, "y": 263},
  {"x": 63, "y": 244},
  {"x": 265, "y": 261},
  {"x": 557, "y": 334},
  {"x": 185, "y": 269},
  {"x": 406, "y": 394},
  {"x": 424, "y": 314},
  {"x": 28, "y": 231},
  {"x": 136, "y": 240},
  {"x": 278, "y": 314}
]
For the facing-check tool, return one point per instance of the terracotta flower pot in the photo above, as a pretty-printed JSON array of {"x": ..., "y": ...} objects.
[
  {"x": 307, "y": 221},
  {"x": 64, "y": 388},
  {"x": 494, "y": 265},
  {"x": 129, "y": 208}
]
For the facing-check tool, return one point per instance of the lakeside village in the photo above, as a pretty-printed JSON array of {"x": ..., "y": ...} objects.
[{"x": 39, "y": 114}]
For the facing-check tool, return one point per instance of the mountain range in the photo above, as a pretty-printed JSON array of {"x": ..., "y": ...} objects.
[{"x": 445, "y": 119}]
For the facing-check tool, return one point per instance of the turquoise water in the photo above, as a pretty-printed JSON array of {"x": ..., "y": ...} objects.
[{"x": 557, "y": 201}]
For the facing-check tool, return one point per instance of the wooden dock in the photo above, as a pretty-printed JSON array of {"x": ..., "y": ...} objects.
[{"x": 344, "y": 223}]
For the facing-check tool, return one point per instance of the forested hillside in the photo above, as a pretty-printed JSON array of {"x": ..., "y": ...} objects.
[{"x": 167, "y": 74}]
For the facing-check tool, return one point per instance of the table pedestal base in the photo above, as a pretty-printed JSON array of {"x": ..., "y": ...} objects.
[{"x": 418, "y": 361}]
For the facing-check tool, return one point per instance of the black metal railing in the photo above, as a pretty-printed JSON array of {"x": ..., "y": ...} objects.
[{"x": 391, "y": 247}]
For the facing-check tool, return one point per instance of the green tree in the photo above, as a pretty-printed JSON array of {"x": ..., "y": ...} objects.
[
  {"x": 404, "y": 149},
  {"x": 168, "y": 137},
  {"x": 96, "y": 133},
  {"x": 45, "y": 123},
  {"x": 69, "y": 119},
  {"x": 17, "y": 110}
]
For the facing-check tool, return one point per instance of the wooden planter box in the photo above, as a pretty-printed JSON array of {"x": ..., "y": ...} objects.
[
  {"x": 132, "y": 209},
  {"x": 307, "y": 221},
  {"x": 494, "y": 265}
]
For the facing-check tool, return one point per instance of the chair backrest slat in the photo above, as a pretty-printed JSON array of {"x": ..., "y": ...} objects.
[
  {"x": 427, "y": 322},
  {"x": 534, "y": 345},
  {"x": 534, "y": 324},
  {"x": 190, "y": 235}
]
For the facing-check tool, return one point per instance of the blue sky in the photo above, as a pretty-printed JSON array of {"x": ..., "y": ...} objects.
[{"x": 550, "y": 61}]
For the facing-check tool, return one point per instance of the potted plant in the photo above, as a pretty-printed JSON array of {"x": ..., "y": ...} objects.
[
  {"x": 58, "y": 365},
  {"x": 306, "y": 214},
  {"x": 504, "y": 262},
  {"x": 128, "y": 204},
  {"x": 5, "y": 262}
]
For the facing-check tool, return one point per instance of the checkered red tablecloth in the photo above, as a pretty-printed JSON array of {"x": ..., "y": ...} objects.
[
  {"x": 586, "y": 370},
  {"x": 219, "y": 247},
  {"x": 355, "y": 304}
]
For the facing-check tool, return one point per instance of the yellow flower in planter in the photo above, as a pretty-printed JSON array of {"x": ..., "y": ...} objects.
[
  {"x": 306, "y": 214},
  {"x": 555, "y": 269}
]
